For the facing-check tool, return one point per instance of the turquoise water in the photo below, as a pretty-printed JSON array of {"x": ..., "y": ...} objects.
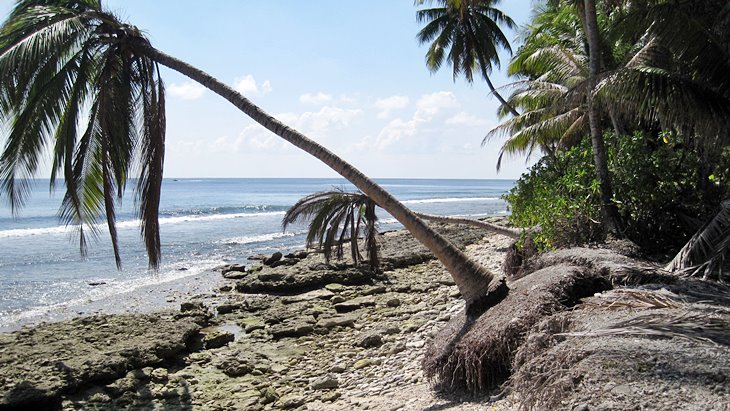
[{"x": 204, "y": 223}]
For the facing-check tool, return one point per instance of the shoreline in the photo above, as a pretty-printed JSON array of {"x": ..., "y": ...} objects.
[
  {"x": 166, "y": 295},
  {"x": 356, "y": 342},
  {"x": 257, "y": 342}
]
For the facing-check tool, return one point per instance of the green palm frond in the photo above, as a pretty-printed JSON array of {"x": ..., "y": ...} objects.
[
  {"x": 466, "y": 34},
  {"x": 61, "y": 60},
  {"x": 337, "y": 218}
]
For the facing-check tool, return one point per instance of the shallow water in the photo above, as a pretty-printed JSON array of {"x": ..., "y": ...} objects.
[{"x": 204, "y": 223}]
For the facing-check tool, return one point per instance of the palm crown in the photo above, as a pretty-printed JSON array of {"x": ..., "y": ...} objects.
[
  {"x": 467, "y": 34},
  {"x": 64, "y": 61}
]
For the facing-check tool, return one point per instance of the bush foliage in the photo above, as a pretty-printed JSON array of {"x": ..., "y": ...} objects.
[{"x": 664, "y": 188}]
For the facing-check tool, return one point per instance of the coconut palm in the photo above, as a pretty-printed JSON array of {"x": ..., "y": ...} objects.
[
  {"x": 335, "y": 218},
  {"x": 552, "y": 65},
  {"x": 467, "y": 34},
  {"x": 42, "y": 43}
]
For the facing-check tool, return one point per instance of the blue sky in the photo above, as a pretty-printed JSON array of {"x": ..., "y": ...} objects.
[{"x": 349, "y": 74}]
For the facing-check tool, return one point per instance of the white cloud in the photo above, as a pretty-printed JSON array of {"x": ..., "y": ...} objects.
[
  {"x": 327, "y": 119},
  {"x": 431, "y": 104},
  {"x": 396, "y": 130},
  {"x": 427, "y": 108},
  {"x": 386, "y": 105},
  {"x": 315, "y": 99},
  {"x": 316, "y": 124},
  {"x": 466, "y": 119},
  {"x": 186, "y": 91},
  {"x": 248, "y": 85}
]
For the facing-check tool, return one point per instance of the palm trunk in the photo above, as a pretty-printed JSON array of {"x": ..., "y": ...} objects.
[
  {"x": 608, "y": 207},
  {"x": 501, "y": 99},
  {"x": 472, "y": 279},
  {"x": 506, "y": 231}
]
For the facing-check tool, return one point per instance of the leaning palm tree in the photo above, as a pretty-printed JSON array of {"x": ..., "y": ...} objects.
[
  {"x": 56, "y": 56},
  {"x": 337, "y": 218},
  {"x": 467, "y": 34}
]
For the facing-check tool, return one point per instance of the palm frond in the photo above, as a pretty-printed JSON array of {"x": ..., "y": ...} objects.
[
  {"x": 337, "y": 218},
  {"x": 706, "y": 251}
]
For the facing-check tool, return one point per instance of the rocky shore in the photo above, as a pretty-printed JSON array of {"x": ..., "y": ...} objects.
[
  {"x": 290, "y": 332},
  {"x": 294, "y": 332}
]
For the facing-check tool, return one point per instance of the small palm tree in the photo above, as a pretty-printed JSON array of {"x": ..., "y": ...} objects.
[
  {"x": 467, "y": 34},
  {"x": 337, "y": 218}
]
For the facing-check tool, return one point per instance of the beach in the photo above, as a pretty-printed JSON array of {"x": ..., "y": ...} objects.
[
  {"x": 285, "y": 343},
  {"x": 348, "y": 338}
]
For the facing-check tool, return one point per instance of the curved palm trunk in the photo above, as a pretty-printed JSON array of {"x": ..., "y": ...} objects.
[
  {"x": 608, "y": 207},
  {"x": 472, "y": 279},
  {"x": 499, "y": 96},
  {"x": 506, "y": 231}
]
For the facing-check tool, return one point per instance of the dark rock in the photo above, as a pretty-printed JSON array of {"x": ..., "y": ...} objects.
[
  {"x": 270, "y": 277},
  {"x": 233, "y": 268},
  {"x": 393, "y": 302},
  {"x": 274, "y": 258},
  {"x": 227, "y": 308},
  {"x": 374, "y": 290},
  {"x": 217, "y": 339},
  {"x": 192, "y": 306},
  {"x": 301, "y": 278},
  {"x": 234, "y": 275},
  {"x": 370, "y": 339},
  {"x": 39, "y": 364},
  {"x": 287, "y": 262},
  {"x": 291, "y": 329},
  {"x": 338, "y": 321},
  {"x": 291, "y": 401},
  {"x": 354, "y": 304},
  {"x": 325, "y": 382},
  {"x": 269, "y": 395}
]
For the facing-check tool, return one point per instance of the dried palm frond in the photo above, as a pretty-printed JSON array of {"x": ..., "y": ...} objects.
[
  {"x": 694, "y": 326},
  {"x": 706, "y": 251},
  {"x": 648, "y": 299}
]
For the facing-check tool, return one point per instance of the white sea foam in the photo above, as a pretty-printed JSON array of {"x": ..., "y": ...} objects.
[
  {"x": 257, "y": 238},
  {"x": 110, "y": 288},
  {"x": 450, "y": 200},
  {"x": 27, "y": 232}
]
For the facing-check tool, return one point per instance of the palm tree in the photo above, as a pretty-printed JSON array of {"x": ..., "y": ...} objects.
[
  {"x": 333, "y": 212},
  {"x": 350, "y": 214},
  {"x": 41, "y": 45},
  {"x": 467, "y": 34},
  {"x": 612, "y": 220},
  {"x": 553, "y": 70}
]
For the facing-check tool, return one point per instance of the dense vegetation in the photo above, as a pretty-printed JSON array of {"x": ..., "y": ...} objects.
[
  {"x": 655, "y": 179},
  {"x": 663, "y": 109}
]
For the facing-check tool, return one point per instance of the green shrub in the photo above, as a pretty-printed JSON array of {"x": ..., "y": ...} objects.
[{"x": 664, "y": 190}]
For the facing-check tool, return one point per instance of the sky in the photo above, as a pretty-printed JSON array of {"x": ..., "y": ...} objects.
[{"x": 348, "y": 74}]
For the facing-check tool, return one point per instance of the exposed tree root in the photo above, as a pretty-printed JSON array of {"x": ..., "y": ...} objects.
[{"x": 474, "y": 353}]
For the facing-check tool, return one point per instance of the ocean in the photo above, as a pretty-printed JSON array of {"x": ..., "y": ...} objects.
[{"x": 204, "y": 223}]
